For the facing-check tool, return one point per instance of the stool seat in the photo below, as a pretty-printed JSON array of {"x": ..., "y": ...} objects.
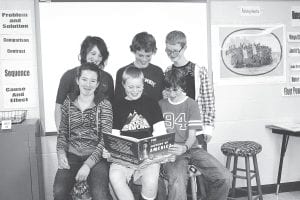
[
  {"x": 247, "y": 150},
  {"x": 241, "y": 148}
]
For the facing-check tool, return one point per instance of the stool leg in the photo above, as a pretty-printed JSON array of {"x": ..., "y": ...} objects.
[
  {"x": 193, "y": 187},
  {"x": 228, "y": 161},
  {"x": 248, "y": 176},
  {"x": 234, "y": 171},
  {"x": 257, "y": 177}
]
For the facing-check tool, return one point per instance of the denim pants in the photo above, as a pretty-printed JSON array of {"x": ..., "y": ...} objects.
[
  {"x": 217, "y": 177},
  {"x": 98, "y": 179}
]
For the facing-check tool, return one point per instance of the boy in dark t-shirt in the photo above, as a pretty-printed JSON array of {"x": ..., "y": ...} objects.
[
  {"x": 139, "y": 116},
  {"x": 143, "y": 46}
]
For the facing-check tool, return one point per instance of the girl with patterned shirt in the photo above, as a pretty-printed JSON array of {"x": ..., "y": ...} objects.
[{"x": 85, "y": 117}]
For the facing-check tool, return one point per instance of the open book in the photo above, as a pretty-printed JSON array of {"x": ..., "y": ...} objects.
[{"x": 138, "y": 153}]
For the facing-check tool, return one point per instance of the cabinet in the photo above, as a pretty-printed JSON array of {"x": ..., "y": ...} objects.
[{"x": 21, "y": 162}]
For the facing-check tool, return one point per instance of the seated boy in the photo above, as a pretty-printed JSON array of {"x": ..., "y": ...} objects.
[
  {"x": 138, "y": 116},
  {"x": 181, "y": 114}
]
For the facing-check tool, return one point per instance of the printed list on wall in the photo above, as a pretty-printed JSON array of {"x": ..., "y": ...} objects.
[
  {"x": 293, "y": 39},
  {"x": 16, "y": 59}
]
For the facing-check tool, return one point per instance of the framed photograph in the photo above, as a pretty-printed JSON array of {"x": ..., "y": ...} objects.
[{"x": 248, "y": 54}]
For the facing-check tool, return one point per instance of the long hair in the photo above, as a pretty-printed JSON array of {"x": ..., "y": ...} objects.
[{"x": 88, "y": 43}]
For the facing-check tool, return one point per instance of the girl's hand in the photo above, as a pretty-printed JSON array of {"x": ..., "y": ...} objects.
[
  {"x": 83, "y": 173},
  {"x": 105, "y": 154},
  {"x": 62, "y": 161}
]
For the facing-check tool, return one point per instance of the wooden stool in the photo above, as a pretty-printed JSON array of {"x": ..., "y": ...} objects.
[{"x": 244, "y": 149}]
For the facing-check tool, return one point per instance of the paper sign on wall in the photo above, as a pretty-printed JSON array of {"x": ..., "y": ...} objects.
[
  {"x": 15, "y": 22},
  {"x": 250, "y": 11},
  {"x": 294, "y": 51},
  {"x": 293, "y": 36},
  {"x": 295, "y": 66},
  {"x": 16, "y": 47},
  {"x": 295, "y": 79},
  {"x": 291, "y": 91},
  {"x": 18, "y": 96}
]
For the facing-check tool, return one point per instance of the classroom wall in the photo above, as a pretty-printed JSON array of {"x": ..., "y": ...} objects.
[
  {"x": 242, "y": 110},
  {"x": 19, "y": 62}
]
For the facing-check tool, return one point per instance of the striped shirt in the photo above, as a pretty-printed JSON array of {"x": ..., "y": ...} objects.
[{"x": 80, "y": 132}]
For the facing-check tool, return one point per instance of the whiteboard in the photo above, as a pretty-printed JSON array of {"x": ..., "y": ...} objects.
[{"x": 64, "y": 25}]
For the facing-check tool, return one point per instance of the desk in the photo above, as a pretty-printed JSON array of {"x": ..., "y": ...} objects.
[
  {"x": 21, "y": 175},
  {"x": 286, "y": 130}
]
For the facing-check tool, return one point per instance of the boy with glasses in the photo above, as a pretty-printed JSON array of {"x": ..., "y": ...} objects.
[{"x": 196, "y": 86}]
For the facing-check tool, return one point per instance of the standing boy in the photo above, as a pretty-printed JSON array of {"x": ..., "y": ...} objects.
[
  {"x": 192, "y": 82},
  {"x": 143, "y": 47}
]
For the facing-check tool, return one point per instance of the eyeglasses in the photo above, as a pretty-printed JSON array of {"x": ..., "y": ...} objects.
[{"x": 173, "y": 52}]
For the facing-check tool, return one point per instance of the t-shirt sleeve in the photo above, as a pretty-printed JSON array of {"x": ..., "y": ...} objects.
[
  {"x": 119, "y": 90},
  {"x": 64, "y": 87},
  {"x": 161, "y": 83},
  {"x": 194, "y": 121},
  {"x": 116, "y": 116},
  {"x": 110, "y": 88},
  {"x": 157, "y": 115}
]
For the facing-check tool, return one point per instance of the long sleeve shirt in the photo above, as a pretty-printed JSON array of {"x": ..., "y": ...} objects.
[
  {"x": 80, "y": 132},
  {"x": 200, "y": 89}
]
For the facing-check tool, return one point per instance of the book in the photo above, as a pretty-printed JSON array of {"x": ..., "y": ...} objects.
[
  {"x": 294, "y": 127},
  {"x": 138, "y": 153}
]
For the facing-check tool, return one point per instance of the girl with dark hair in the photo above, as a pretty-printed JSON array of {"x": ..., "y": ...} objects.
[{"x": 93, "y": 50}]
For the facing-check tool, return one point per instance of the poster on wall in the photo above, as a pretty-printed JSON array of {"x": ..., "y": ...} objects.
[{"x": 248, "y": 54}]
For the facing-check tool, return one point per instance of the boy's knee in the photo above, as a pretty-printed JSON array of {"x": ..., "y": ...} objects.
[{"x": 114, "y": 176}]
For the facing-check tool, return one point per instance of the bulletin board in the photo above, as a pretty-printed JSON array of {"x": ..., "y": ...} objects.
[{"x": 64, "y": 25}]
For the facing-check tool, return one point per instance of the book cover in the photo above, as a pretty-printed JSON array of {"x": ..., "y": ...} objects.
[{"x": 138, "y": 153}]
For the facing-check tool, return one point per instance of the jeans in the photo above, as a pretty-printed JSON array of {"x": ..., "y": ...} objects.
[
  {"x": 217, "y": 177},
  {"x": 98, "y": 179}
]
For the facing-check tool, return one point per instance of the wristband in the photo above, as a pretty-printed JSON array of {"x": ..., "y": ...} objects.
[{"x": 187, "y": 147}]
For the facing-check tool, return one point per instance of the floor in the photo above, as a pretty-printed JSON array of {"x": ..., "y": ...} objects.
[{"x": 282, "y": 196}]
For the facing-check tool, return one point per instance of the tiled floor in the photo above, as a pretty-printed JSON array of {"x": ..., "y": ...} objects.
[{"x": 282, "y": 196}]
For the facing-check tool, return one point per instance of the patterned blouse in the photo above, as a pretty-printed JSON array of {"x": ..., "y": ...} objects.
[{"x": 80, "y": 132}]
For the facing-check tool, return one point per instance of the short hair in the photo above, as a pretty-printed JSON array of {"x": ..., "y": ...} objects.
[
  {"x": 132, "y": 72},
  {"x": 176, "y": 37},
  {"x": 143, "y": 41},
  {"x": 88, "y": 43},
  {"x": 175, "y": 78},
  {"x": 88, "y": 66}
]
